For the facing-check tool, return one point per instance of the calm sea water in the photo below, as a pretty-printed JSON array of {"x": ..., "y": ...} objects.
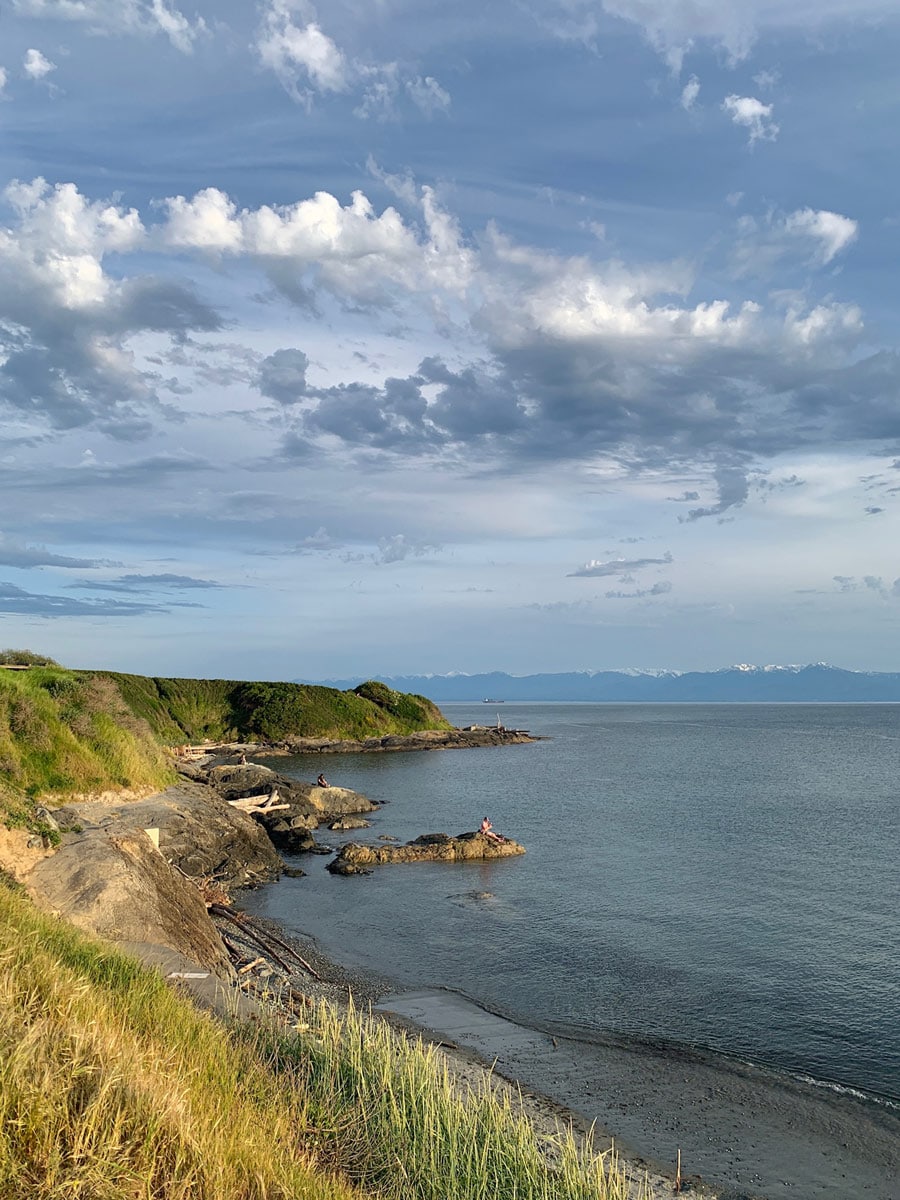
[{"x": 724, "y": 876}]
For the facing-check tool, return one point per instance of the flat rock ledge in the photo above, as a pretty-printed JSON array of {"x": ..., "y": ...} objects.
[
  {"x": 358, "y": 859},
  {"x": 426, "y": 739}
]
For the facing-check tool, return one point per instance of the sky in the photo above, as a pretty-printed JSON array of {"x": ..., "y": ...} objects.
[{"x": 393, "y": 336}]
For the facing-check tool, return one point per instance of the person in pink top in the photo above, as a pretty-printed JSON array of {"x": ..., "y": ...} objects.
[{"x": 488, "y": 830}]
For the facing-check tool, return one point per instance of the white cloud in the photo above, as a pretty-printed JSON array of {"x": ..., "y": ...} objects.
[
  {"x": 755, "y": 116},
  {"x": 428, "y": 95},
  {"x": 814, "y": 237},
  {"x": 766, "y": 80},
  {"x": 831, "y": 230},
  {"x": 107, "y": 17},
  {"x": 353, "y": 251},
  {"x": 36, "y": 66},
  {"x": 675, "y": 27},
  {"x": 690, "y": 92},
  {"x": 307, "y": 62},
  {"x": 65, "y": 322},
  {"x": 293, "y": 51},
  {"x": 175, "y": 25},
  {"x": 58, "y": 222},
  {"x": 568, "y": 358},
  {"x": 3, "y": 78}
]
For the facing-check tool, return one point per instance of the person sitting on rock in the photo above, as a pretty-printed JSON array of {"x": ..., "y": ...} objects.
[
  {"x": 488, "y": 830},
  {"x": 322, "y": 781}
]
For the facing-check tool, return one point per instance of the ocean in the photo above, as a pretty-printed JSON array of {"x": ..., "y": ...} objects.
[{"x": 721, "y": 877}]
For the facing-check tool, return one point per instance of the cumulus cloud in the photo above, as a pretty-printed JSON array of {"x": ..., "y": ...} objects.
[
  {"x": 617, "y": 566},
  {"x": 353, "y": 252},
  {"x": 65, "y": 322},
  {"x": 3, "y": 78},
  {"x": 175, "y": 25},
  {"x": 282, "y": 376},
  {"x": 120, "y": 17},
  {"x": 754, "y": 116},
  {"x": 573, "y": 359},
  {"x": 36, "y": 66},
  {"x": 296, "y": 52}
]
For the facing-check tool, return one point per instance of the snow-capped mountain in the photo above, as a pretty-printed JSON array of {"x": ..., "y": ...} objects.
[{"x": 743, "y": 682}]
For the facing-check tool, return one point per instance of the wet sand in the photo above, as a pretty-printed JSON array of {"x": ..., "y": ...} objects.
[{"x": 744, "y": 1131}]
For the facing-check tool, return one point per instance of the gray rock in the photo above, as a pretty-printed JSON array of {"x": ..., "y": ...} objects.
[
  {"x": 121, "y": 888},
  {"x": 235, "y": 782},
  {"x": 430, "y": 847},
  {"x": 46, "y": 817}
]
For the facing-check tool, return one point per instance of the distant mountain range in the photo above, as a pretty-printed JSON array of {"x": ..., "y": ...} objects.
[{"x": 813, "y": 683}]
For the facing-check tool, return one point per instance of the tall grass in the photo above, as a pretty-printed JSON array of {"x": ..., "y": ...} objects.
[
  {"x": 394, "y": 1121},
  {"x": 112, "y": 1087},
  {"x": 62, "y": 732}
]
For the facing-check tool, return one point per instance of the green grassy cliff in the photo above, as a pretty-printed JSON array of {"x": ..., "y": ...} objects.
[
  {"x": 65, "y": 732},
  {"x": 191, "y": 710}
]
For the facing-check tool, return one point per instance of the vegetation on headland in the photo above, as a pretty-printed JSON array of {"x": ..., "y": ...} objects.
[
  {"x": 64, "y": 732},
  {"x": 193, "y": 710},
  {"x": 112, "y": 1086}
]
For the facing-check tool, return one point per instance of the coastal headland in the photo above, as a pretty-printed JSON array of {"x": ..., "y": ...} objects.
[
  {"x": 149, "y": 862},
  {"x": 129, "y": 810}
]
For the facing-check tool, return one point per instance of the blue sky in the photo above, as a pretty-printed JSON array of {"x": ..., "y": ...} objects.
[{"x": 396, "y": 337}]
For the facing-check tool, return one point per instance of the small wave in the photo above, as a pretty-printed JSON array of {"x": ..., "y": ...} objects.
[{"x": 844, "y": 1089}]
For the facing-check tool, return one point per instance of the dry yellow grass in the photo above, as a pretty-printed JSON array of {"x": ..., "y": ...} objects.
[{"x": 113, "y": 1087}]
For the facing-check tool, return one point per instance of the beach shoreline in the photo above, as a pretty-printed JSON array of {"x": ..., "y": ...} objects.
[{"x": 745, "y": 1132}]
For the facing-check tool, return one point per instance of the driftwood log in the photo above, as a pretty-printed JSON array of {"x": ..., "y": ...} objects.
[{"x": 259, "y": 804}]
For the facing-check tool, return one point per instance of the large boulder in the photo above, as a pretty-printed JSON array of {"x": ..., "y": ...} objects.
[
  {"x": 119, "y": 887},
  {"x": 356, "y": 858},
  {"x": 337, "y": 801},
  {"x": 198, "y": 832},
  {"x": 246, "y": 779}
]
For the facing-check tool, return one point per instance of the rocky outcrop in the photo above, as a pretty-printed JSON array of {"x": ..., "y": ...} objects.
[
  {"x": 428, "y": 739},
  {"x": 233, "y": 782},
  {"x": 308, "y": 804},
  {"x": 198, "y": 833},
  {"x": 344, "y": 823},
  {"x": 301, "y": 807},
  {"x": 121, "y": 888},
  {"x": 358, "y": 859}
]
